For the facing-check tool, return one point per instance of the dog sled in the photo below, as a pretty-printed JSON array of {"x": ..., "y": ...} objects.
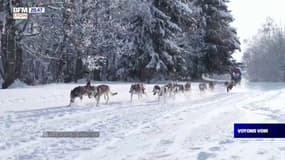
[{"x": 217, "y": 78}]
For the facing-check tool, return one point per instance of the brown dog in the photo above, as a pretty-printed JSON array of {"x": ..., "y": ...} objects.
[
  {"x": 137, "y": 89},
  {"x": 103, "y": 90}
]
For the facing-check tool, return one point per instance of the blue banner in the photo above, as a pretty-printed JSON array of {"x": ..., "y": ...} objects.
[{"x": 259, "y": 130}]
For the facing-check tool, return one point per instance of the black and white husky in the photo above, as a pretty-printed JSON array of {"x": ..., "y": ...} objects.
[
  {"x": 202, "y": 87},
  {"x": 179, "y": 88},
  {"x": 156, "y": 90},
  {"x": 80, "y": 91},
  {"x": 161, "y": 92},
  {"x": 137, "y": 89}
]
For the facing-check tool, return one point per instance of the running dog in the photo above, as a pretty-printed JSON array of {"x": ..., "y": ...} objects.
[
  {"x": 171, "y": 88},
  {"x": 80, "y": 91},
  {"x": 137, "y": 89},
  {"x": 160, "y": 91},
  {"x": 202, "y": 87},
  {"x": 103, "y": 90},
  {"x": 212, "y": 85},
  {"x": 188, "y": 86},
  {"x": 156, "y": 89},
  {"x": 229, "y": 85},
  {"x": 179, "y": 88}
]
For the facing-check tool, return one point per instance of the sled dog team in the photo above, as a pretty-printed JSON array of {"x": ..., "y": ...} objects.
[{"x": 168, "y": 90}]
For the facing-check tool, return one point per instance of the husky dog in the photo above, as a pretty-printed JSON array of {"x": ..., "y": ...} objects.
[
  {"x": 156, "y": 89},
  {"x": 212, "y": 85},
  {"x": 229, "y": 85},
  {"x": 188, "y": 86},
  {"x": 102, "y": 90},
  {"x": 171, "y": 89},
  {"x": 179, "y": 88},
  {"x": 80, "y": 91},
  {"x": 138, "y": 89},
  {"x": 170, "y": 86},
  {"x": 160, "y": 91},
  {"x": 202, "y": 87}
]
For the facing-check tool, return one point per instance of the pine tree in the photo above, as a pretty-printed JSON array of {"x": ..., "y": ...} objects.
[
  {"x": 181, "y": 14},
  {"x": 220, "y": 38},
  {"x": 11, "y": 53},
  {"x": 127, "y": 40},
  {"x": 157, "y": 27}
]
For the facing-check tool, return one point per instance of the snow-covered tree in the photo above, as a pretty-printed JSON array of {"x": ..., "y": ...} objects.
[
  {"x": 11, "y": 53},
  {"x": 59, "y": 39},
  {"x": 137, "y": 40},
  {"x": 220, "y": 38},
  {"x": 264, "y": 56},
  {"x": 157, "y": 28}
]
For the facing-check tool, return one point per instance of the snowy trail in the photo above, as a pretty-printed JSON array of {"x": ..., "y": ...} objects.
[
  {"x": 195, "y": 126},
  {"x": 200, "y": 136}
]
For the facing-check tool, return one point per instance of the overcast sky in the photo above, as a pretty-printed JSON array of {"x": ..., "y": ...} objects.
[{"x": 251, "y": 14}]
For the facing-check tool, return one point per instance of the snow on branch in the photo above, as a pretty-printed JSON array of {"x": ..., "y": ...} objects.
[{"x": 94, "y": 62}]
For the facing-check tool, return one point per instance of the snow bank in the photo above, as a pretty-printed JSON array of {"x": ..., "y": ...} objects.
[
  {"x": 18, "y": 84},
  {"x": 191, "y": 126}
]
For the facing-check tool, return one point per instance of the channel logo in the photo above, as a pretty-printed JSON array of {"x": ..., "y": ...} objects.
[
  {"x": 23, "y": 12},
  {"x": 20, "y": 13},
  {"x": 36, "y": 10}
]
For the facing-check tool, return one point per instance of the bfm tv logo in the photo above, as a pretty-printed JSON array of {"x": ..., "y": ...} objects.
[{"x": 22, "y": 12}]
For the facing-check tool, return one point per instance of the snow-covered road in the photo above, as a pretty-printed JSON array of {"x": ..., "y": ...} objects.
[{"x": 191, "y": 126}]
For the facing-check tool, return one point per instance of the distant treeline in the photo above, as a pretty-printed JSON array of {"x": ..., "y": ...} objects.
[{"x": 265, "y": 54}]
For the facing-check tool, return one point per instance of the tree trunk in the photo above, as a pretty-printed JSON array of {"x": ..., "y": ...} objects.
[
  {"x": 78, "y": 69},
  {"x": 10, "y": 53}
]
